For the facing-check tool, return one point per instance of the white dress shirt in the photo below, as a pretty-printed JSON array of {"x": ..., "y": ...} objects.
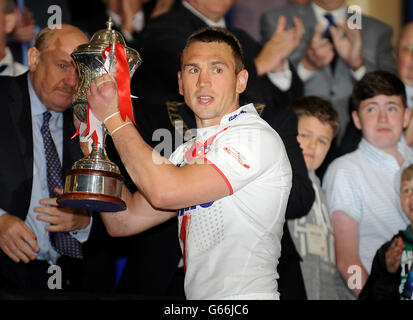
[{"x": 13, "y": 68}]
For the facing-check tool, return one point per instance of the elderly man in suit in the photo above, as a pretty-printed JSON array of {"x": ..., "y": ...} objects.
[
  {"x": 35, "y": 130},
  {"x": 331, "y": 55}
]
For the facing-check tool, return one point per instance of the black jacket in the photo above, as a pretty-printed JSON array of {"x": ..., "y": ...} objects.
[{"x": 381, "y": 284}]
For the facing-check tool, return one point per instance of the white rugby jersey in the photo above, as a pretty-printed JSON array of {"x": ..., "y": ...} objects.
[{"x": 231, "y": 246}]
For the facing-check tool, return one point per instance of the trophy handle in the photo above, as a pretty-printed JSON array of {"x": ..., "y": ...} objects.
[{"x": 100, "y": 147}]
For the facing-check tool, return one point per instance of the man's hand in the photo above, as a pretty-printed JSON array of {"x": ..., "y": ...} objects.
[
  {"x": 61, "y": 219},
  {"x": 394, "y": 255},
  {"x": 348, "y": 45},
  {"x": 103, "y": 97},
  {"x": 161, "y": 7},
  {"x": 17, "y": 241},
  {"x": 319, "y": 53},
  {"x": 24, "y": 30},
  {"x": 282, "y": 43},
  {"x": 126, "y": 16}
]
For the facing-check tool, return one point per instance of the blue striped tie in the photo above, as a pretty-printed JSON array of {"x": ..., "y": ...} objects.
[{"x": 63, "y": 242}]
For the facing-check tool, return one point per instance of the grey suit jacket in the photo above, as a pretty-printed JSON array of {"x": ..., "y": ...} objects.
[{"x": 337, "y": 88}]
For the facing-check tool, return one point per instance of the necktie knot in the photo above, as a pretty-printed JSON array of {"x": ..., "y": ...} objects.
[{"x": 330, "y": 19}]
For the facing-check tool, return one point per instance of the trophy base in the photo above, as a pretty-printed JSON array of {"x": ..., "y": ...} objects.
[{"x": 92, "y": 202}]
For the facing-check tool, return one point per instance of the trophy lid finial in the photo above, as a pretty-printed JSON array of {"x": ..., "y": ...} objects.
[{"x": 109, "y": 23}]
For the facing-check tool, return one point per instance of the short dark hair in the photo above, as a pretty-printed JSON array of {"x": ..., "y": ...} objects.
[
  {"x": 407, "y": 174},
  {"x": 219, "y": 35},
  {"x": 319, "y": 108},
  {"x": 376, "y": 83},
  {"x": 43, "y": 37}
]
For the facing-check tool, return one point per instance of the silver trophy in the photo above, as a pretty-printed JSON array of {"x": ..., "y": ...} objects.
[{"x": 94, "y": 182}]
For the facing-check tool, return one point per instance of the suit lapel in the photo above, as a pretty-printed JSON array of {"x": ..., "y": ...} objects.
[
  {"x": 309, "y": 16},
  {"x": 21, "y": 115}
]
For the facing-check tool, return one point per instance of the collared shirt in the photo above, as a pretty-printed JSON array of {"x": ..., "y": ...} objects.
[
  {"x": 340, "y": 15},
  {"x": 219, "y": 24},
  {"x": 280, "y": 79},
  {"x": 13, "y": 68},
  {"x": 39, "y": 186},
  {"x": 362, "y": 184}
]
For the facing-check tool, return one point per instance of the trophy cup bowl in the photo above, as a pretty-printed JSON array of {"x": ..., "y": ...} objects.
[{"x": 94, "y": 182}]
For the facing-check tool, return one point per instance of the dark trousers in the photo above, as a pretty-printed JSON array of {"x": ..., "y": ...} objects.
[
  {"x": 291, "y": 282},
  {"x": 21, "y": 280}
]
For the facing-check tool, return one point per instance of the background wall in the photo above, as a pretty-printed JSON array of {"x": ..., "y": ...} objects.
[
  {"x": 390, "y": 12},
  {"x": 245, "y": 14}
]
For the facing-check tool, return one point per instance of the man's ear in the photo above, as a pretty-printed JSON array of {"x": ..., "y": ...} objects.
[
  {"x": 10, "y": 22},
  {"x": 33, "y": 58},
  {"x": 181, "y": 90},
  {"x": 356, "y": 119},
  {"x": 242, "y": 79}
]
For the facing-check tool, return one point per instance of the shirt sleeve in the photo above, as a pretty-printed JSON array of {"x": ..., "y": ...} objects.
[
  {"x": 303, "y": 73},
  {"x": 341, "y": 193},
  {"x": 282, "y": 79},
  {"x": 83, "y": 234},
  {"x": 359, "y": 73},
  {"x": 243, "y": 155}
]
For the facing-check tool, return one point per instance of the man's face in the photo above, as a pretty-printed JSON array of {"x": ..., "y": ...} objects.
[
  {"x": 208, "y": 81},
  {"x": 315, "y": 139},
  {"x": 53, "y": 72},
  {"x": 406, "y": 197},
  {"x": 212, "y": 9},
  {"x": 381, "y": 120},
  {"x": 404, "y": 56}
]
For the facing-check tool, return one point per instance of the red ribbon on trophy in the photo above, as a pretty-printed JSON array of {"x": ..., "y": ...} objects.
[{"x": 122, "y": 80}]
